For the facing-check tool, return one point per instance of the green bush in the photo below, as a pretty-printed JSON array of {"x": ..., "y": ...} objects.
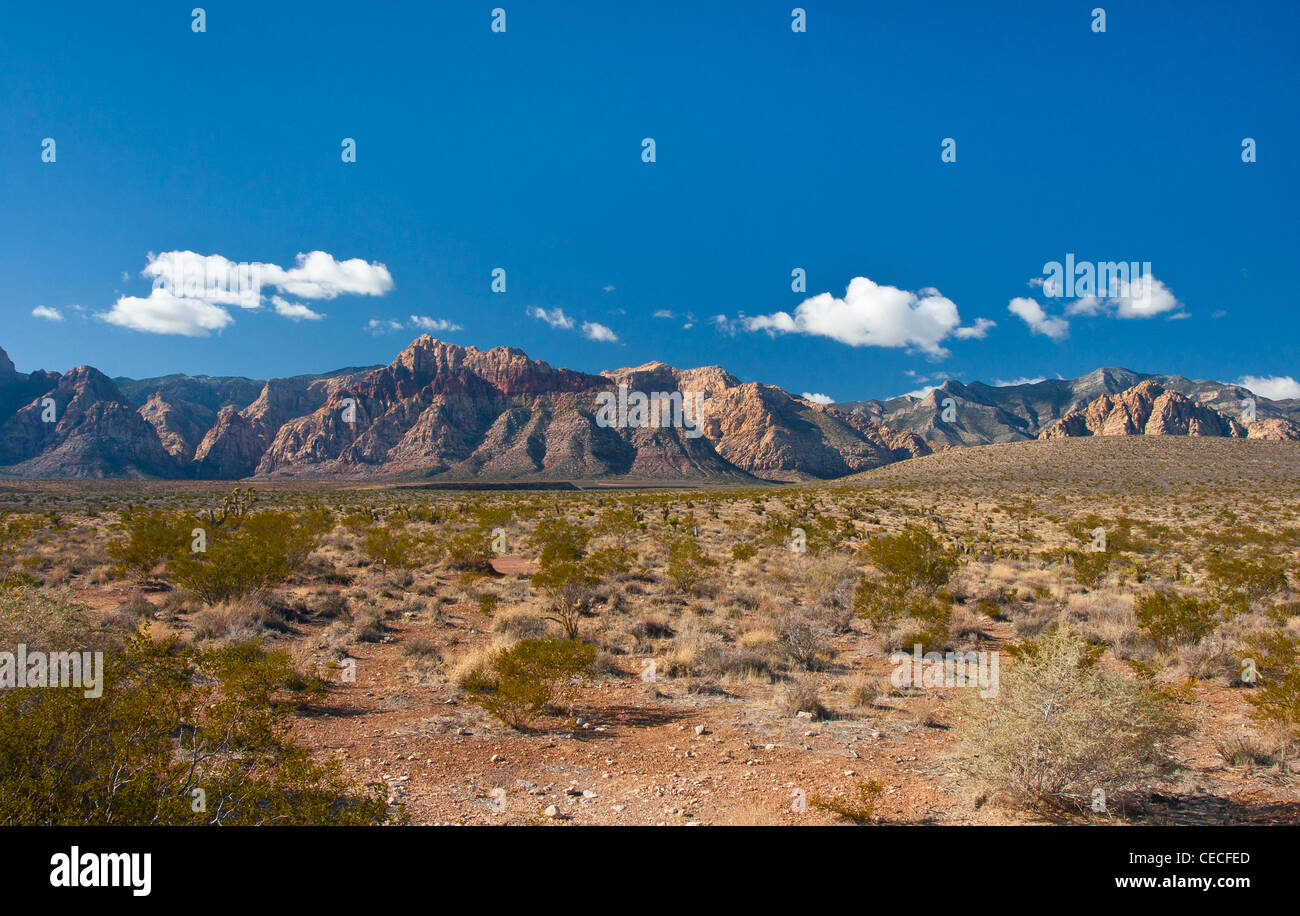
[
  {"x": 1276, "y": 697},
  {"x": 1166, "y": 617},
  {"x": 519, "y": 683},
  {"x": 394, "y": 546},
  {"x": 151, "y": 537},
  {"x": 1236, "y": 582},
  {"x": 911, "y": 559},
  {"x": 256, "y": 553},
  {"x": 178, "y": 737},
  {"x": 687, "y": 562},
  {"x": 931, "y": 623},
  {"x": 559, "y": 541},
  {"x": 743, "y": 551},
  {"x": 1089, "y": 566},
  {"x": 570, "y": 585}
]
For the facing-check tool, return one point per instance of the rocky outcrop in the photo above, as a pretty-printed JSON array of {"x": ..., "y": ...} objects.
[
  {"x": 83, "y": 427},
  {"x": 1146, "y": 409},
  {"x": 180, "y": 425},
  {"x": 1275, "y": 430}
]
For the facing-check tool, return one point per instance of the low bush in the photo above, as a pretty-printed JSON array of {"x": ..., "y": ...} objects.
[{"x": 519, "y": 683}]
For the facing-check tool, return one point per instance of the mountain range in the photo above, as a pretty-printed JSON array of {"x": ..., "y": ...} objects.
[{"x": 445, "y": 412}]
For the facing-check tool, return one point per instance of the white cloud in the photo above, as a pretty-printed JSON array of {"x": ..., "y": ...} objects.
[
  {"x": 664, "y": 313},
  {"x": 595, "y": 331},
  {"x": 162, "y": 313},
  {"x": 1273, "y": 387},
  {"x": 921, "y": 392},
  {"x": 978, "y": 331},
  {"x": 49, "y": 314},
  {"x": 1023, "y": 380},
  {"x": 192, "y": 290},
  {"x": 872, "y": 315},
  {"x": 434, "y": 324},
  {"x": 318, "y": 275},
  {"x": 294, "y": 310},
  {"x": 382, "y": 326},
  {"x": 555, "y": 317},
  {"x": 1032, "y": 314},
  {"x": 211, "y": 278},
  {"x": 818, "y": 398},
  {"x": 1144, "y": 297}
]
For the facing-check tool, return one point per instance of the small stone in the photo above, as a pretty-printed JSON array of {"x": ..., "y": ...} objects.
[
  {"x": 701, "y": 730},
  {"x": 551, "y": 811}
]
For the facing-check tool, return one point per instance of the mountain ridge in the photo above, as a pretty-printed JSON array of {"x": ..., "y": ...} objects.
[{"x": 440, "y": 411}]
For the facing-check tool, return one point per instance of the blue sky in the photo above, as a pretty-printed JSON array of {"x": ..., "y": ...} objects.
[{"x": 775, "y": 150}]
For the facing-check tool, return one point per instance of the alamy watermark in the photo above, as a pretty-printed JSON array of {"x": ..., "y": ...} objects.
[
  {"x": 1096, "y": 279},
  {"x": 35, "y": 668}
]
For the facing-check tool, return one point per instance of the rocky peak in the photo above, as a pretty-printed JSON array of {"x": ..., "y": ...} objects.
[{"x": 1147, "y": 408}]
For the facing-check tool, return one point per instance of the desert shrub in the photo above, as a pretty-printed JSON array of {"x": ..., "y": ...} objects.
[
  {"x": 521, "y": 682},
  {"x": 1244, "y": 751},
  {"x": 487, "y": 603},
  {"x": 1060, "y": 726},
  {"x": 928, "y": 623},
  {"x": 687, "y": 562},
  {"x": 1276, "y": 696},
  {"x": 620, "y": 523},
  {"x": 743, "y": 551},
  {"x": 1089, "y": 566},
  {"x": 256, "y": 553},
  {"x": 803, "y": 696},
  {"x": 394, "y": 546},
  {"x": 1236, "y": 582},
  {"x": 469, "y": 549},
  {"x": 172, "y": 721},
  {"x": 911, "y": 559},
  {"x": 858, "y": 808},
  {"x": 570, "y": 587},
  {"x": 1166, "y": 617},
  {"x": 150, "y": 538},
  {"x": 235, "y": 619},
  {"x": 863, "y": 690},
  {"x": 368, "y": 625},
  {"x": 330, "y": 606},
  {"x": 519, "y": 624},
  {"x": 422, "y": 653},
  {"x": 45, "y": 619},
  {"x": 560, "y": 541},
  {"x": 804, "y": 641},
  {"x": 912, "y": 566}
]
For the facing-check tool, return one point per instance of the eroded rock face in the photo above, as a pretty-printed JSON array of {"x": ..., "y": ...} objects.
[
  {"x": 96, "y": 433},
  {"x": 1276, "y": 430},
  {"x": 1146, "y": 409},
  {"x": 180, "y": 425}
]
